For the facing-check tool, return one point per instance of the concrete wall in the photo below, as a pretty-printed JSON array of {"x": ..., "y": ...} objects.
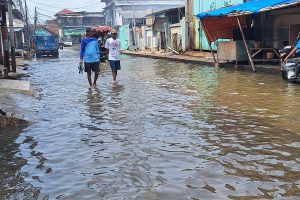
[
  {"x": 124, "y": 36},
  {"x": 185, "y": 36},
  {"x": 149, "y": 35}
]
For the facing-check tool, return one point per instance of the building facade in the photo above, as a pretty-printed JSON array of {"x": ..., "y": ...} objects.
[
  {"x": 72, "y": 25},
  {"x": 200, "y": 41},
  {"x": 121, "y": 12}
]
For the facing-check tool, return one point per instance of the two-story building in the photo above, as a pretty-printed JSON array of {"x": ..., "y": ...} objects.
[
  {"x": 72, "y": 25},
  {"x": 120, "y": 12}
]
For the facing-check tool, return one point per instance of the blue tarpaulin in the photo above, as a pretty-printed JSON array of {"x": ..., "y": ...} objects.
[{"x": 250, "y": 7}]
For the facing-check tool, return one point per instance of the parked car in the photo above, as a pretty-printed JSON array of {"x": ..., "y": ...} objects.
[{"x": 68, "y": 43}]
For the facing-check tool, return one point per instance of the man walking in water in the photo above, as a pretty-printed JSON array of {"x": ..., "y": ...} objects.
[
  {"x": 112, "y": 46},
  {"x": 90, "y": 55}
]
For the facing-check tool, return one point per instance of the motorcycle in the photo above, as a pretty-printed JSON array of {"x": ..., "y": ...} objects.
[{"x": 291, "y": 68}]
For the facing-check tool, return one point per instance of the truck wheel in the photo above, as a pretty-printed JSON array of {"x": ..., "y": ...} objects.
[{"x": 56, "y": 54}]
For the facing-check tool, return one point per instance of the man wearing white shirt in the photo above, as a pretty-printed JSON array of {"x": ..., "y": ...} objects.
[{"x": 112, "y": 46}]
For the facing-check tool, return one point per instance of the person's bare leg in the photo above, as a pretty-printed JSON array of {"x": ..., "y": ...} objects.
[
  {"x": 89, "y": 77},
  {"x": 114, "y": 74},
  {"x": 96, "y": 78}
]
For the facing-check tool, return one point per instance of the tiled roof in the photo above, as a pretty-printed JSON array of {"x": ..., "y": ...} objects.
[{"x": 64, "y": 12}]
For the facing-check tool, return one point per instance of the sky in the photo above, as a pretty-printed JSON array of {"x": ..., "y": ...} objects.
[{"x": 48, "y": 8}]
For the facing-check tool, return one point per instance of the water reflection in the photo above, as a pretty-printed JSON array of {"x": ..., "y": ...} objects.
[
  {"x": 94, "y": 104},
  {"x": 164, "y": 131}
]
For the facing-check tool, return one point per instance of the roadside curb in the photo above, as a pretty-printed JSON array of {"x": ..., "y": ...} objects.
[
  {"x": 270, "y": 69},
  {"x": 171, "y": 58}
]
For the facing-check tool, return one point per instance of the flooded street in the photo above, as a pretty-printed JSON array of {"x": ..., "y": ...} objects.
[{"x": 166, "y": 130}]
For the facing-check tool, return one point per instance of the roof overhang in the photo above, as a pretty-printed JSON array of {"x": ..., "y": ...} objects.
[
  {"x": 250, "y": 7},
  {"x": 219, "y": 23}
]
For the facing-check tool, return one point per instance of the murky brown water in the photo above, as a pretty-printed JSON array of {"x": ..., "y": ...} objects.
[{"x": 165, "y": 131}]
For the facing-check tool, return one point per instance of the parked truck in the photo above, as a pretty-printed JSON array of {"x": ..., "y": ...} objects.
[{"x": 45, "y": 44}]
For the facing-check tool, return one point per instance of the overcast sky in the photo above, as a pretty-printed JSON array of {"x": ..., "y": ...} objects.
[{"x": 48, "y": 8}]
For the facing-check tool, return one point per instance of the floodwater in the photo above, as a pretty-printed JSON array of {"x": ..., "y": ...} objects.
[{"x": 166, "y": 130}]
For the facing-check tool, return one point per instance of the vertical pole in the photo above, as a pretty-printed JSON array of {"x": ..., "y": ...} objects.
[
  {"x": 213, "y": 54},
  {"x": 1, "y": 50},
  {"x": 246, "y": 45},
  {"x": 133, "y": 21},
  {"x": 211, "y": 50},
  {"x": 189, "y": 19},
  {"x": 35, "y": 20},
  {"x": 27, "y": 35},
  {"x": 35, "y": 27},
  {"x": 5, "y": 42},
  {"x": 12, "y": 37}
]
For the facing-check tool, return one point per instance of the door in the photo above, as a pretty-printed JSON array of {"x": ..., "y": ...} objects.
[{"x": 294, "y": 30}]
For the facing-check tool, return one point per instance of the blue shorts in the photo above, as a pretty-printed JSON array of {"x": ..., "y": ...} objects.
[{"x": 115, "y": 65}]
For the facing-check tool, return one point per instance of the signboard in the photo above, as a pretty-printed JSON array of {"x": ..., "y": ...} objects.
[{"x": 149, "y": 21}]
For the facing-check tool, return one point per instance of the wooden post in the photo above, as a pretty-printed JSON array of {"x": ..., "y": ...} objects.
[
  {"x": 213, "y": 54},
  {"x": 1, "y": 50},
  {"x": 211, "y": 50},
  {"x": 12, "y": 37},
  {"x": 5, "y": 42},
  {"x": 246, "y": 45}
]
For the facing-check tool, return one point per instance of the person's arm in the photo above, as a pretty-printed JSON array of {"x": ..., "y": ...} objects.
[
  {"x": 97, "y": 49},
  {"x": 291, "y": 54},
  {"x": 82, "y": 50},
  {"x": 107, "y": 47}
]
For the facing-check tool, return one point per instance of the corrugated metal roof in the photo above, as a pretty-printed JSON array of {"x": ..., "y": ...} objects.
[
  {"x": 128, "y": 14},
  {"x": 152, "y": 2},
  {"x": 254, "y": 6},
  {"x": 160, "y": 11}
]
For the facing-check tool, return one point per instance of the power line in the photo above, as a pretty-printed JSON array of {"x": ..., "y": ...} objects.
[
  {"x": 45, "y": 15},
  {"x": 51, "y": 6},
  {"x": 47, "y": 11}
]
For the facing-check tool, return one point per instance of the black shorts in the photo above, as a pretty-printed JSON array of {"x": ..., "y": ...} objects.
[
  {"x": 89, "y": 67},
  {"x": 115, "y": 65}
]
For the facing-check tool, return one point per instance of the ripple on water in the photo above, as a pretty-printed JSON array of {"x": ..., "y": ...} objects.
[{"x": 164, "y": 131}]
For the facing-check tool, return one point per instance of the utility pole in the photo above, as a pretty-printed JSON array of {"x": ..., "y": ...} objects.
[
  {"x": 35, "y": 20},
  {"x": 1, "y": 49},
  {"x": 12, "y": 37},
  {"x": 133, "y": 21},
  {"x": 5, "y": 41},
  {"x": 189, "y": 24},
  {"x": 27, "y": 29}
]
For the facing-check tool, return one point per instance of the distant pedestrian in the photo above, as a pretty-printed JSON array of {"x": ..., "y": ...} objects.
[
  {"x": 296, "y": 49},
  {"x": 90, "y": 56},
  {"x": 112, "y": 46}
]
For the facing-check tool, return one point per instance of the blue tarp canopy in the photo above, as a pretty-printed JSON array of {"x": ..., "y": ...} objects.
[{"x": 250, "y": 7}]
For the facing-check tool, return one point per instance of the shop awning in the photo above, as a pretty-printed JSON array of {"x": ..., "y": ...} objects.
[
  {"x": 250, "y": 7},
  {"x": 220, "y": 23},
  {"x": 74, "y": 31},
  {"x": 102, "y": 29}
]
